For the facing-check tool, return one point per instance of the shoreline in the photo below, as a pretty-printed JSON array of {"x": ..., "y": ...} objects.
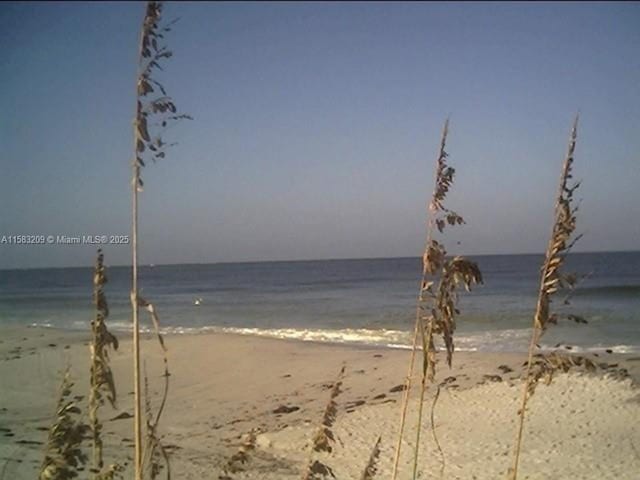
[
  {"x": 172, "y": 332},
  {"x": 224, "y": 385}
]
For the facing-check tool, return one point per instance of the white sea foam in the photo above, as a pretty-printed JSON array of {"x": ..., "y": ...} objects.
[{"x": 505, "y": 340}]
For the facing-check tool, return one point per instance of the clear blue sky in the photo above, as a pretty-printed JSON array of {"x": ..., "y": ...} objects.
[{"x": 316, "y": 126}]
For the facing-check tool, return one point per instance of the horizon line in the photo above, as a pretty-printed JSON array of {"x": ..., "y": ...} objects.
[{"x": 152, "y": 265}]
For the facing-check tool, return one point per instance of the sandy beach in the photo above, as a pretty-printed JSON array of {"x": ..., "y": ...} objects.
[
  {"x": 290, "y": 192},
  {"x": 223, "y": 386}
]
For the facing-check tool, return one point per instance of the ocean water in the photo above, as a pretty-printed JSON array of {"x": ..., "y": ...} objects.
[{"x": 360, "y": 301}]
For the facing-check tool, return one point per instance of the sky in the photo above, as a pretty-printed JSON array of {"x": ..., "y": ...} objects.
[{"x": 316, "y": 127}]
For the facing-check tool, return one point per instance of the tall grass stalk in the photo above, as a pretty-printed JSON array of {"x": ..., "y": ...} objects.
[
  {"x": 102, "y": 383},
  {"x": 324, "y": 437},
  {"x": 551, "y": 280},
  {"x": 371, "y": 468},
  {"x": 418, "y": 323},
  {"x": 437, "y": 298},
  {"x": 154, "y": 449},
  {"x": 152, "y": 102}
]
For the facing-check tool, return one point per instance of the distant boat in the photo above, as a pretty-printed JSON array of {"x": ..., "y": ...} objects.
[{"x": 197, "y": 301}]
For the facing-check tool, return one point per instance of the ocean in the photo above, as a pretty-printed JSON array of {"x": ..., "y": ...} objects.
[{"x": 359, "y": 301}]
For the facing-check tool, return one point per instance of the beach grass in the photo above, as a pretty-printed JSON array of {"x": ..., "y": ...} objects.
[
  {"x": 436, "y": 308},
  {"x": 155, "y": 110},
  {"x": 102, "y": 381},
  {"x": 552, "y": 279}
]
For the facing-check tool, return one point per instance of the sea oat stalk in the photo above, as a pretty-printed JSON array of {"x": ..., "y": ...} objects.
[
  {"x": 324, "y": 438},
  {"x": 551, "y": 280},
  {"x": 152, "y": 103},
  {"x": 436, "y": 307},
  {"x": 371, "y": 468},
  {"x": 102, "y": 383}
]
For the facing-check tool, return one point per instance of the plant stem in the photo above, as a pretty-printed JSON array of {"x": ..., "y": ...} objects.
[
  {"x": 405, "y": 397},
  {"x": 523, "y": 406},
  {"x": 136, "y": 331},
  {"x": 426, "y": 342},
  {"x": 93, "y": 403},
  {"x": 542, "y": 304},
  {"x": 419, "y": 325}
]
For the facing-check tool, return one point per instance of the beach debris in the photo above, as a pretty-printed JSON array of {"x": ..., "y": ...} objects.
[
  {"x": 448, "y": 380},
  {"x": 546, "y": 366},
  {"x": 286, "y": 409},
  {"x": 29, "y": 442},
  {"x": 398, "y": 388},
  {"x": 505, "y": 369},
  {"x": 121, "y": 416},
  {"x": 238, "y": 460},
  {"x": 577, "y": 318},
  {"x": 319, "y": 471}
]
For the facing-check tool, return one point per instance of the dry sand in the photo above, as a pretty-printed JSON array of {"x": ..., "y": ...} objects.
[{"x": 222, "y": 386}]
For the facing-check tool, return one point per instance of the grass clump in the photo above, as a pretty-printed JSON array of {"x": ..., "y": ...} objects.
[{"x": 64, "y": 456}]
